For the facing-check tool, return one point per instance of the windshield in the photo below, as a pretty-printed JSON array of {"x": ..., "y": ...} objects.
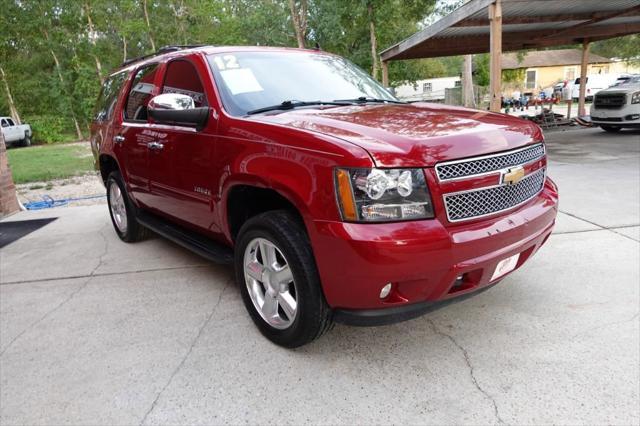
[{"x": 248, "y": 81}]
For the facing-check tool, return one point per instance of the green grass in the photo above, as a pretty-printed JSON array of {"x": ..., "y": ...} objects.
[{"x": 43, "y": 163}]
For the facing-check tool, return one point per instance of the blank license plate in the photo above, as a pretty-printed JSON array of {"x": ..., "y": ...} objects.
[{"x": 505, "y": 266}]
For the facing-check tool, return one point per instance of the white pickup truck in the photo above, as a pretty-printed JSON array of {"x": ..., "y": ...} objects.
[{"x": 15, "y": 134}]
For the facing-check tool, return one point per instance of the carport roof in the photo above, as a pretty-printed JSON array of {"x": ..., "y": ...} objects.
[
  {"x": 526, "y": 24},
  {"x": 549, "y": 58}
]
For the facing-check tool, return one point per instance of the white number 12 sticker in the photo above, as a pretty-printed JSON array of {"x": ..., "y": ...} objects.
[{"x": 226, "y": 62}]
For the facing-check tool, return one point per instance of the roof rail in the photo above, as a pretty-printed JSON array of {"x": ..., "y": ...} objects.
[{"x": 162, "y": 50}]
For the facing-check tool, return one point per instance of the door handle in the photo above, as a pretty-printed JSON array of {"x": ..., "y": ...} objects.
[
  {"x": 118, "y": 139},
  {"x": 156, "y": 146}
]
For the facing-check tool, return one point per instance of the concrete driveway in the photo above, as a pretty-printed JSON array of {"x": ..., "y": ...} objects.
[{"x": 96, "y": 331}]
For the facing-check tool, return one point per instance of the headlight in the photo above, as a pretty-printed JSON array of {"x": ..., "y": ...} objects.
[
  {"x": 635, "y": 98},
  {"x": 383, "y": 195}
]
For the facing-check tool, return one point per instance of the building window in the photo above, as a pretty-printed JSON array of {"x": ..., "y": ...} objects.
[
  {"x": 457, "y": 83},
  {"x": 531, "y": 79},
  {"x": 570, "y": 73},
  {"x": 426, "y": 87}
]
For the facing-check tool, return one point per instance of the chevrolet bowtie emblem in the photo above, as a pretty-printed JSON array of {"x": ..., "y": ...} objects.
[{"x": 513, "y": 175}]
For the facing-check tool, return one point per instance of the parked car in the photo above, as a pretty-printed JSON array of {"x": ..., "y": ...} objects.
[
  {"x": 595, "y": 83},
  {"x": 618, "y": 107},
  {"x": 15, "y": 134},
  {"x": 333, "y": 200}
]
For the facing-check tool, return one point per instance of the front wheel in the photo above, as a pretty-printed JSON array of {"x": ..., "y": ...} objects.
[
  {"x": 279, "y": 281},
  {"x": 610, "y": 129},
  {"x": 26, "y": 141}
]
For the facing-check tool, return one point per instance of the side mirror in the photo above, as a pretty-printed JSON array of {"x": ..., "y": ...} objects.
[{"x": 177, "y": 109}]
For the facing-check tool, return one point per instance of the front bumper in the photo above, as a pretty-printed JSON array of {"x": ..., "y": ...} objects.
[
  {"x": 424, "y": 260},
  {"x": 626, "y": 116}
]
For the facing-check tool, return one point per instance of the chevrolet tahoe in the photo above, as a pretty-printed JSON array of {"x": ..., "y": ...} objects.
[{"x": 334, "y": 201}]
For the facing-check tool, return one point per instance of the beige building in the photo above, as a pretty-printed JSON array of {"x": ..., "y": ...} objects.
[{"x": 544, "y": 68}]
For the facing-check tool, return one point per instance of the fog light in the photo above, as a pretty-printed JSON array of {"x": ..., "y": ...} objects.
[
  {"x": 385, "y": 291},
  {"x": 633, "y": 117}
]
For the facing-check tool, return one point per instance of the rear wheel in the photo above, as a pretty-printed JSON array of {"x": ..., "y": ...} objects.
[
  {"x": 279, "y": 281},
  {"x": 122, "y": 210},
  {"x": 611, "y": 129}
]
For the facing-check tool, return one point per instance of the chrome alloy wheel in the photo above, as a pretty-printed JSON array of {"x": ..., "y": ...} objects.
[
  {"x": 270, "y": 283},
  {"x": 118, "y": 207}
]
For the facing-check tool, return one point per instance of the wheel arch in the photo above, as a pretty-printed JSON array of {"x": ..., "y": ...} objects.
[
  {"x": 248, "y": 197},
  {"x": 107, "y": 164}
]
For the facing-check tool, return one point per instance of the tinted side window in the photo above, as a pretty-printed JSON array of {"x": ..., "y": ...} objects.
[
  {"x": 10, "y": 122},
  {"x": 4, "y": 123},
  {"x": 142, "y": 89},
  {"x": 108, "y": 97},
  {"x": 181, "y": 77}
]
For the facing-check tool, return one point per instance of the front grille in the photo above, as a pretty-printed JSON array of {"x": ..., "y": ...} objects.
[
  {"x": 483, "y": 202},
  {"x": 610, "y": 101},
  {"x": 487, "y": 164}
]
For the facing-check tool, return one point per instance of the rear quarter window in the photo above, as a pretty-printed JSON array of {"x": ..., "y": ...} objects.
[{"x": 108, "y": 97}]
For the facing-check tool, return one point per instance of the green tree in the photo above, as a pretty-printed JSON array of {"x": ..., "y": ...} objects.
[
  {"x": 359, "y": 28},
  {"x": 626, "y": 48},
  {"x": 58, "y": 51}
]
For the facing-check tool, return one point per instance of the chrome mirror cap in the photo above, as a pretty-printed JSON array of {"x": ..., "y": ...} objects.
[{"x": 172, "y": 102}]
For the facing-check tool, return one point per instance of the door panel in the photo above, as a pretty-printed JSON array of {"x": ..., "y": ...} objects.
[
  {"x": 10, "y": 131},
  {"x": 135, "y": 133},
  {"x": 180, "y": 175},
  {"x": 181, "y": 170}
]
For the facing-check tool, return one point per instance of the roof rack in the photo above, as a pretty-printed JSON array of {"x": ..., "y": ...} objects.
[{"x": 162, "y": 50}]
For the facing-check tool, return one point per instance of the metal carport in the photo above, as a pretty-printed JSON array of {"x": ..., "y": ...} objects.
[{"x": 496, "y": 26}]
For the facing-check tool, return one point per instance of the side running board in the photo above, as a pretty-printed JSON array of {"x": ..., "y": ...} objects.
[{"x": 203, "y": 246}]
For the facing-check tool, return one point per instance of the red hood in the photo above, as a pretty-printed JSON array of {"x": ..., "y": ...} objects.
[{"x": 414, "y": 135}]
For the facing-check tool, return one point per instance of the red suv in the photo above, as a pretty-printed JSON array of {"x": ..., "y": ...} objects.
[{"x": 334, "y": 200}]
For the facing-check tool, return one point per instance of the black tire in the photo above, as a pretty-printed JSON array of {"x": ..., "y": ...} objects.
[
  {"x": 134, "y": 230},
  {"x": 26, "y": 141},
  {"x": 314, "y": 317},
  {"x": 610, "y": 129}
]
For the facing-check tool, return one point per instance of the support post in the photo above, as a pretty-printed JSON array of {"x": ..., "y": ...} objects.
[
  {"x": 385, "y": 74},
  {"x": 495, "y": 67},
  {"x": 583, "y": 77},
  {"x": 467, "y": 82}
]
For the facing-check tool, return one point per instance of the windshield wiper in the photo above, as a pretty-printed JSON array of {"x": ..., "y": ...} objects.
[
  {"x": 365, "y": 99},
  {"x": 295, "y": 104}
]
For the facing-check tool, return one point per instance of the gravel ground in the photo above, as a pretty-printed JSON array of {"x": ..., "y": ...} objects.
[{"x": 58, "y": 189}]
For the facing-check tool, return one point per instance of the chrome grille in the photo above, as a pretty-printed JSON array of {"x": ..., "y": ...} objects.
[
  {"x": 482, "y": 202},
  {"x": 487, "y": 164},
  {"x": 610, "y": 100}
]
